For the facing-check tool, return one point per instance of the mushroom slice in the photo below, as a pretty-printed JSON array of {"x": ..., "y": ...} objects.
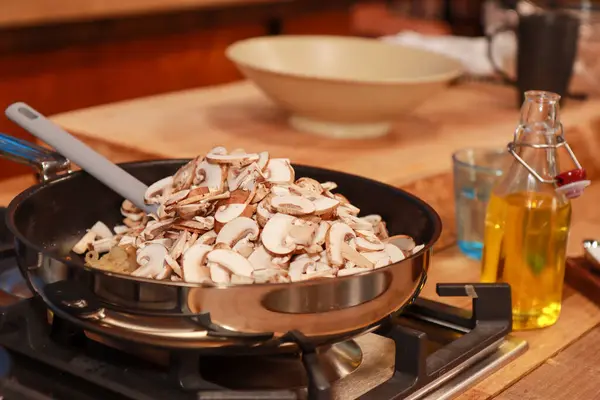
[
  {"x": 157, "y": 189},
  {"x": 378, "y": 258},
  {"x": 193, "y": 263},
  {"x": 193, "y": 226},
  {"x": 309, "y": 185},
  {"x": 103, "y": 245},
  {"x": 174, "y": 265},
  {"x": 261, "y": 259},
  {"x": 208, "y": 238},
  {"x": 84, "y": 243},
  {"x": 321, "y": 233},
  {"x": 209, "y": 175},
  {"x": 373, "y": 219},
  {"x": 184, "y": 177},
  {"x": 218, "y": 274},
  {"x": 275, "y": 233},
  {"x": 338, "y": 233},
  {"x": 179, "y": 245},
  {"x": 303, "y": 232},
  {"x": 177, "y": 196},
  {"x": 404, "y": 243},
  {"x": 418, "y": 248},
  {"x": 396, "y": 255},
  {"x": 293, "y": 205},
  {"x": 328, "y": 186},
  {"x": 189, "y": 211},
  {"x": 229, "y": 212},
  {"x": 101, "y": 230},
  {"x": 281, "y": 191},
  {"x": 238, "y": 229},
  {"x": 244, "y": 247},
  {"x": 279, "y": 170},
  {"x": 298, "y": 267},
  {"x": 352, "y": 221},
  {"x": 352, "y": 271},
  {"x": 241, "y": 280},
  {"x": 232, "y": 261},
  {"x": 350, "y": 254},
  {"x": 120, "y": 229},
  {"x": 263, "y": 215},
  {"x": 272, "y": 275},
  {"x": 363, "y": 244},
  {"x": 238, "y": 160},
  {"x": 325, "y": 207},
  {"x": 152, "y": 230},
  {"x": 152, "y": 261},
  {"x": 263, "y": 160}
]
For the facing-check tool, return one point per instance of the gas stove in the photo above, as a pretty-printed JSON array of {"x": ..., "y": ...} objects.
[{"x": 431, "y": 351}]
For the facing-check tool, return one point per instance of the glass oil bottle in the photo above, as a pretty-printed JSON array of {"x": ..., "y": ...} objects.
[{"x": 529, "y": 214}]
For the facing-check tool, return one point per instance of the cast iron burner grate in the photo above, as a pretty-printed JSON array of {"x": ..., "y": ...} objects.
[{"x": 434, "y": 343}]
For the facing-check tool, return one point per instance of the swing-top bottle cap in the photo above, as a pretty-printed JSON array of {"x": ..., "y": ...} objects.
[{"x": 572, "y": 183}]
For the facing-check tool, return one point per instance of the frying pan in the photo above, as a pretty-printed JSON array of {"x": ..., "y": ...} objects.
[{"x": 49, "y": 218}]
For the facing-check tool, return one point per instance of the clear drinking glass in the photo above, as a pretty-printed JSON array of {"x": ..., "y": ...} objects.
[{"x": 476, "y": 171}]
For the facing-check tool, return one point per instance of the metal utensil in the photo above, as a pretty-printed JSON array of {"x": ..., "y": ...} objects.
[{"x": 93, "y": 163}]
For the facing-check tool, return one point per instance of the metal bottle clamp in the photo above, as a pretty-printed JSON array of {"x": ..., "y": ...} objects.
[{"x": 570, "y": 189}]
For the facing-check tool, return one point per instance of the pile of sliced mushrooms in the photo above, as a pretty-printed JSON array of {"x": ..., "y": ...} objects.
[{"x": 242, "y": 218}]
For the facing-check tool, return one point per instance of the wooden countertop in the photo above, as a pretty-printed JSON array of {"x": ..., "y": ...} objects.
[
  {"x": 32, "y": 12},
  {"x": 561, "y": 361}
]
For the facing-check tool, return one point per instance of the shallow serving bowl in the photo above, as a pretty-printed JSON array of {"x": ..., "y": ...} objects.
[{"x": 342, "y": 86}]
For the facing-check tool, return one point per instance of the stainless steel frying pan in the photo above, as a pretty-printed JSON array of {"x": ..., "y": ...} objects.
[{"x": 49, "y": 218}]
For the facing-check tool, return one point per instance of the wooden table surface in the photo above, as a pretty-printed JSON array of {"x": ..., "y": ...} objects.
[{"x": 561, "y": 362}]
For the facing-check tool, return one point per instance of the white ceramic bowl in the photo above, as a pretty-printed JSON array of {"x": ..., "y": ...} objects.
[{"x": 343, "y": 87}]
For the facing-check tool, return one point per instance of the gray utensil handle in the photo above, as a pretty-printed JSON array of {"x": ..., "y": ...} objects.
[
  {"x": 93, "y": 163},
  {"x": 47, "y": 163}
]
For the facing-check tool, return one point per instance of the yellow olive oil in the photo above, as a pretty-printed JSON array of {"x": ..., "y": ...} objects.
[{"x": 524, "y": 246}]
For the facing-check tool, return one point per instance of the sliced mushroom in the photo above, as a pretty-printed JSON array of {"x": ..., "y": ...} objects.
[
  {"x": 193, "y": 263},
  {"x": 325, "y": 207},
  {"x": 208, "y": 238},
  {"x": 328, "y": 186},
  {"x": 303, "y": 232},
  {"x": 229, "y": 212},
  {"x": 121, "y": 229},
  {"x": 338, "y": 233},
  {"x": 241, "y": 280},
  {"x": 84, "y": 243},
  {"x": 404, "y": 243},
  {"x": 292, "y": 205},
  {"x": 152, "y": 261},
  {"x": 152, "y": 230},
  {"x": 179, "y": 245},
  {"x": 350, "y": 254},
  {"x": 276, "y": 232},
  {"x": 157, "y": 190},
  {"x": 261, "y": 259},
  {"x": 352, "y": 271},
  {"x": 272, "y": 275},
  {"x": 378, "y": 258},
  {"x": 238, "y": 229},
  {"x": 299, "y": 267},
  {"x": 263, "y": 215},
  {"x": 279, "y": 170},
  {"x": 238, "y": 160},
  {"x": 177, "y": 196},
  {"x": 263, "y": 160},
  {"x": 363, "y": 244},
  {"x": 218, "y": 274},
  {"x": 396, "y": 255},
  {"x": 189, "y": 211},
  {"x": 418, "y": 248},
  {"x": 244, "y": 247},
  {"x": 101, "y": 230},
  {"x": 174, "y": 265},
  {"x": 212, "y": 176},
  {"x": 321, "y": 233},
  {"x": 184, "y": 177},
  {"x": 231, "y": 261}
]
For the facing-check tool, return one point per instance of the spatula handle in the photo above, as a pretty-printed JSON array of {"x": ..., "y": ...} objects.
[{"x": 93, "y": 163}]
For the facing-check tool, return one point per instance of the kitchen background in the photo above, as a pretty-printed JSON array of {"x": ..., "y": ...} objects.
[{"x": 70, "y": 54}]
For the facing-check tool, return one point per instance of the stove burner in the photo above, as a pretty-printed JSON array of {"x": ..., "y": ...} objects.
[{"x": 434, "y": 344}]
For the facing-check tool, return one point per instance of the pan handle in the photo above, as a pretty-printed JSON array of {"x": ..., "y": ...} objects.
[{"x": 46, "y": 163}]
